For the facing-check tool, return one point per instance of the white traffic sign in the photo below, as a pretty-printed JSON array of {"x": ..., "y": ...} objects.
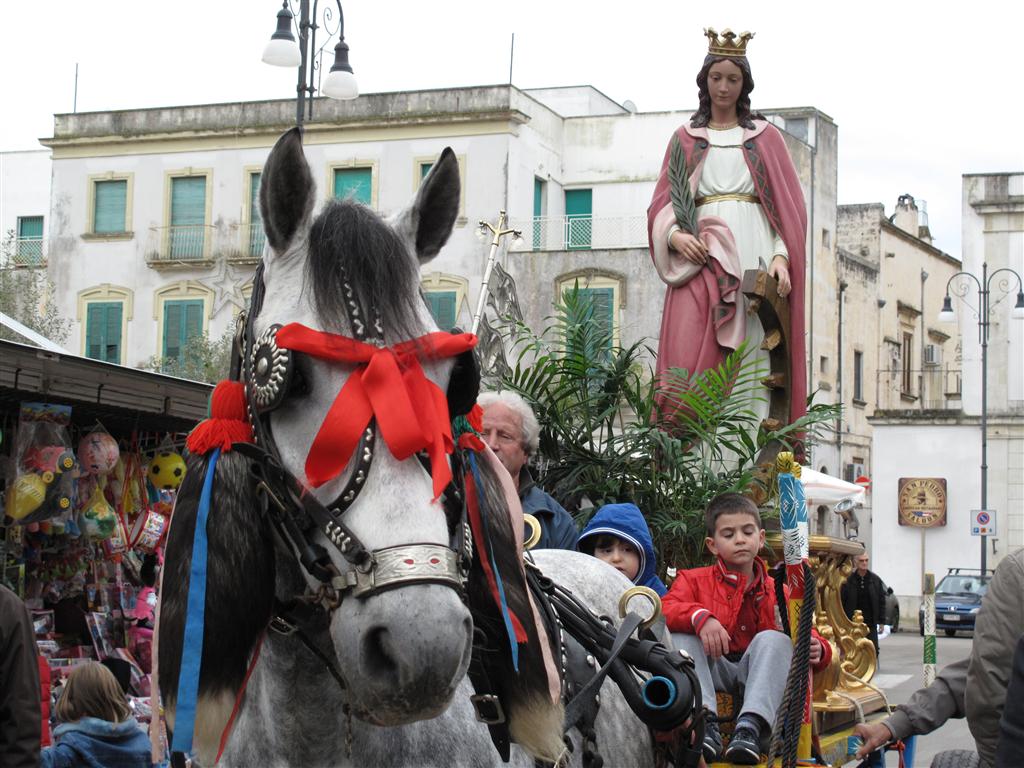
[{"x": 983, "y": 522}]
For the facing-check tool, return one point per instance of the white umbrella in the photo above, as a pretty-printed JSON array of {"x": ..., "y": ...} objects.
[{"x": 820, "y": 489}]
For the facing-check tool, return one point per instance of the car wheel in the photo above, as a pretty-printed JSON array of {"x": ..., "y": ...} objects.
[
  {"x": 896, "y": 622},
  {"x": 950, "y": 632},
  {"x": 955, "y": 758}
]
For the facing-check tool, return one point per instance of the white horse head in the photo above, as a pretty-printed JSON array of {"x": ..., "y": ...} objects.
[{"x": 403, "y": 651}]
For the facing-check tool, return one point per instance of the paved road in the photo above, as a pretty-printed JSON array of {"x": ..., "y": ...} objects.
[{"x": 900, "y": 672}]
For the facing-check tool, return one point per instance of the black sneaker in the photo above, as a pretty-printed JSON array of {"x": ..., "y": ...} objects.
[
  {"x": 712, "y": 746},
  {"x": 744, "y": 746}
]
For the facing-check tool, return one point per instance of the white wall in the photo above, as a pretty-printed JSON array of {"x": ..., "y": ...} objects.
[
  {"x": 952, "y": 452},
  {"x": 24, "y": 188}
]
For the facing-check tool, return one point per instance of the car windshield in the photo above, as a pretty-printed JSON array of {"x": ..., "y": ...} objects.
[{"x": 962, "y": 585}]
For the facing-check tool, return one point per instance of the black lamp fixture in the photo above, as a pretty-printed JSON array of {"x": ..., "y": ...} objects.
[
  {"x": 985, "y": 308},
  {"x": 282, "y": 51}
]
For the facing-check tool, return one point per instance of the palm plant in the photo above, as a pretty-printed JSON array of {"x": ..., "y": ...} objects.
[{"x": 605, "y": 439}]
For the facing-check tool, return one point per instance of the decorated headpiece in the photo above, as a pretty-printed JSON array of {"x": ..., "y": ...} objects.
[{"x": 727, "y": 44}]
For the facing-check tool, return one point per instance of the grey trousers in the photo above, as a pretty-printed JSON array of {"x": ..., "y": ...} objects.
[{"x": 759, "y": 676}]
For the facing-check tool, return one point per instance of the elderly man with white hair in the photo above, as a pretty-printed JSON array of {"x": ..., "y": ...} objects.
[{"x": 512, "y": 432}]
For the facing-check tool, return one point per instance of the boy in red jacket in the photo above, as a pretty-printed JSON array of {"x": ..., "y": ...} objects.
[{"x": 726, "y": 617}]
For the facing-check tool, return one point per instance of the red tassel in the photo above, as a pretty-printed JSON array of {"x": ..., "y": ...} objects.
[{"x": 228, "y": 422}]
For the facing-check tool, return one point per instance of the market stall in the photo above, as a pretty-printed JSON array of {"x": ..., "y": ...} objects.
[{"x": 89, "y": 465}]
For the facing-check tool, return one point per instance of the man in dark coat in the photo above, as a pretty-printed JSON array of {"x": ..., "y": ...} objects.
[
  {"x": 512, "y": 432},
  {"x": 20, "y": 713},
  {"x": 865, "y": 591}
]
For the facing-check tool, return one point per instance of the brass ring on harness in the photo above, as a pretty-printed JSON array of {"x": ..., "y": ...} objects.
[
  {"x": 651, "y": 596},
  {"x": 534, "y": 537}
]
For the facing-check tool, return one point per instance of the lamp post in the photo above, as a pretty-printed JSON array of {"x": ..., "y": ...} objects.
[
  {"x": 282, "y": 51},
  {"x": 984, "y": 308},
  {"x": 497, "y": 232}
]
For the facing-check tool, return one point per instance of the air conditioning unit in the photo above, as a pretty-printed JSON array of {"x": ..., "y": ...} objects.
[{"x": 932, "y": 354}]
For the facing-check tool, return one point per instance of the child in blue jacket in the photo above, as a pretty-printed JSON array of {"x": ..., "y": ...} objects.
[
  {"x": 618, "y": 534},
  {"x": 97, "y": 729}
]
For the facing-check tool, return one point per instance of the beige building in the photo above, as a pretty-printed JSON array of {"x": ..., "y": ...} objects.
[
  {"x": 889, "y": 352},
  {"x": 947, "y": 443}
]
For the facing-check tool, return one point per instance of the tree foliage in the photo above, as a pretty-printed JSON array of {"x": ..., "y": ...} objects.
[
  {"x": 202, "y": 359},
  {"x": 27, "y": 295},
  {"x": 604, "y": 439}
]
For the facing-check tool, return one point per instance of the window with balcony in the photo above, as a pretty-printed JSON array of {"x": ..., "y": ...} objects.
[
  {"x": 579, "y": 218},
  {"x": 253, "y": 237},
  {"x": 540, "y": 209},
  {"x": 28, "y": 248}
]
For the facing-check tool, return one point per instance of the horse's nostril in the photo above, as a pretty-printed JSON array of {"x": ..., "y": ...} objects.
[{"x": 377, "y": 652}]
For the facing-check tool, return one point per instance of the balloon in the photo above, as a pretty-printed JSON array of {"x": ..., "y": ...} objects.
[
  {"x": 166, "y": 470},
  {"x": 98, "y": 453}
]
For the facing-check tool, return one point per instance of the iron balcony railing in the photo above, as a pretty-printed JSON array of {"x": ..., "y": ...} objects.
[
  {"x": 251, "y": 240},
  {"x": 181, "y": 244},
  {"x": 576, "y": 233},
  {"x": 28, "y": 252}
]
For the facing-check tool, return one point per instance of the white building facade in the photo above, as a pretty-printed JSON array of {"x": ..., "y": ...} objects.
[
  {"x": 25, "y": 206},
  {"x": 155, "y": 231},
  {"x": 947, "y": 444}
]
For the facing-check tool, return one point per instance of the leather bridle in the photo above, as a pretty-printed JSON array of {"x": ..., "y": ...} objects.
[{"x": 269, "y": 374}]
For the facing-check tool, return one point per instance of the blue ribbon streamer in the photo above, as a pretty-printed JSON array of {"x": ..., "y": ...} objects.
[
  {"x": 503, "y": 604},
  {"x": 195, "y": 622}
]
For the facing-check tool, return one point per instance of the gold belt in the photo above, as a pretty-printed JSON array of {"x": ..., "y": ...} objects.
[{"x": 721, "y": 198}]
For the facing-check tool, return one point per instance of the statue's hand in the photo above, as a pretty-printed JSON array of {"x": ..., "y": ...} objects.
[
  {"x": 779, "y": 269},
  {"x": 689, "y": 247}
]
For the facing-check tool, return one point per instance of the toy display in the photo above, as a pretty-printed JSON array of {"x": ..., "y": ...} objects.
[
  {"x": 98, "y": 452},
  {"x": 44, "y": 465}
]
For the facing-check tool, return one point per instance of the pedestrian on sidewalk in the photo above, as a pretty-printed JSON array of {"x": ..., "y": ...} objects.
[{"x": 865, "y": 591}]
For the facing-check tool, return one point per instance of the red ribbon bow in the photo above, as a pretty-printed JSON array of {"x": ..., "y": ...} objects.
[{"x": 389, "y": 384}]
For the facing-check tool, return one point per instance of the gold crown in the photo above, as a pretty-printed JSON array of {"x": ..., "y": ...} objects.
[{"x": 727, "y": 44}]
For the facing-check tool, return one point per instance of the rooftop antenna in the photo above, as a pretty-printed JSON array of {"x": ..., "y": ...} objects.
[
  {"x": 511, "y": 57},
  {"x": 74, "y": 107}
]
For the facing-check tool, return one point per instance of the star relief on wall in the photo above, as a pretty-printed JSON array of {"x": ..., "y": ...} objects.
[{"x": 228, "y": 286}]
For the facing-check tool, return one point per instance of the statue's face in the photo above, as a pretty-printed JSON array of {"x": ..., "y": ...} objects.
[{"x": 725, "y": 81}]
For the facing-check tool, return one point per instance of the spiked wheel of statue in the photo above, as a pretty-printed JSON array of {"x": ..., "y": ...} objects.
[
  {"x": 726, "y": 231},
  {"x": 345, "y": 582}
]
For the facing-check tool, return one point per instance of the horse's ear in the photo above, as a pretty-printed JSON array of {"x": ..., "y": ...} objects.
[
  {"x": 287, "y": 192},
  {"x": 428, "y": 222}
]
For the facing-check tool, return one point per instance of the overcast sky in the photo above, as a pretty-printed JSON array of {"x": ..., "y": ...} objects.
[{"x": 922, "y": 92}]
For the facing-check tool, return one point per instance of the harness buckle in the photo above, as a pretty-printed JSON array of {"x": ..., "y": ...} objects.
[
  {"x": 488, "y": 708},
  {"x": 282, "y": 626}
]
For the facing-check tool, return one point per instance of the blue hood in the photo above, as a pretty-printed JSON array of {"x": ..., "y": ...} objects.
[{"x": 627, "y": 522}]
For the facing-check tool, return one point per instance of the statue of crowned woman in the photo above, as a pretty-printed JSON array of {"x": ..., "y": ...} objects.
[{"x": 727, "y": 200}]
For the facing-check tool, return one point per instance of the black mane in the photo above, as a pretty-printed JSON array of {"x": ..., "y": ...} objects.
[{"x": 350, "y": 244}]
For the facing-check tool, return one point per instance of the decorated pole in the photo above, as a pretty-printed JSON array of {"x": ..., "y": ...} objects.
[
  {"x": 497, "y": 231},
  {"x": 929, "y": 629},
  {"x": 793, "y": 515}
]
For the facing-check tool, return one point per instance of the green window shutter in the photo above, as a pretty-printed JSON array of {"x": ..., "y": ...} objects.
[
  {"x": 109, "y": 206},
  {"x": 188, "y": 217},
  {"x": 578, "y": 218},
  {"x": 600, "y": 301},
  {"x": 183, "y": 321},
  {"x": 257, "y": 238},
  {"x": 30, "y": 227},
  {"x": 442, "y": 307},
  {"x": 425, "y": 169},
  {"x": 354, "y": 183},
  {"x": 103, "y": 331}
]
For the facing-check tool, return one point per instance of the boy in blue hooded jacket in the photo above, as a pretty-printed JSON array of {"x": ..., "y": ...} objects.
[{"x": 618, "y": 534}]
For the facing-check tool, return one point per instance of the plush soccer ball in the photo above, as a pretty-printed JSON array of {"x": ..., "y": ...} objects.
[
  {"x": 166, "y": 471},
  {"x": 98, "y": 453}
]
